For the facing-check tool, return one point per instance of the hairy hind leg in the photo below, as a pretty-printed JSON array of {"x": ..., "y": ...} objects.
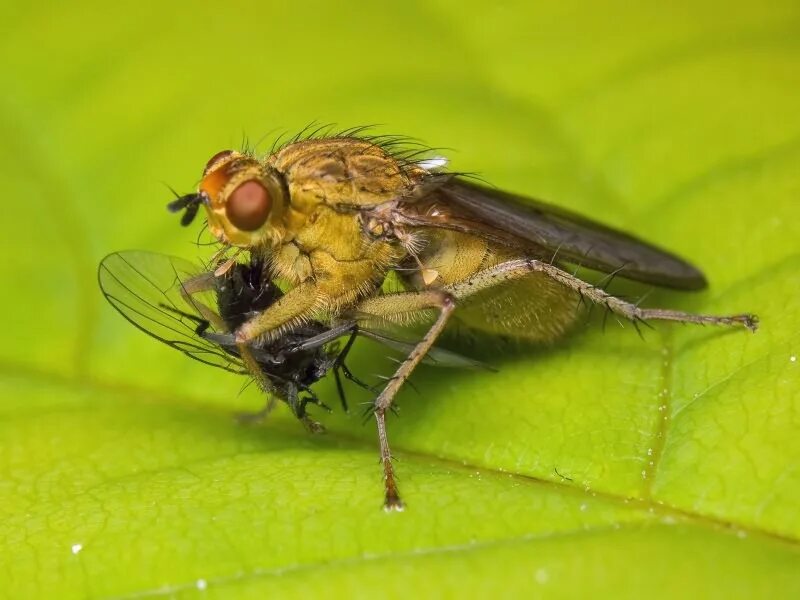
[
  {"x": 403, "y": 306},
  {"x": 514, "y": 269}
]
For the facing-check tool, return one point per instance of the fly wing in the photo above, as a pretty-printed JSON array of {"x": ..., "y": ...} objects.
[
  {"x": 438, "y": 357},
  {"x": 145, "y": 288},
  {"x": 435, "y": 356},
  {"x": 547, "y": 230}
]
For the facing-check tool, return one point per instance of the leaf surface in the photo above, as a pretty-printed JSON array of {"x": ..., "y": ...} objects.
[{"x": 605, "y": 465}]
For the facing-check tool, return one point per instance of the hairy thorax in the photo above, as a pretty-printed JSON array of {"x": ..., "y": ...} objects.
[{"x": 328, "y": 181}]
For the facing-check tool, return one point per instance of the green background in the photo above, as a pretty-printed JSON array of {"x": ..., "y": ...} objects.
[{"x": 122, "y": 473}]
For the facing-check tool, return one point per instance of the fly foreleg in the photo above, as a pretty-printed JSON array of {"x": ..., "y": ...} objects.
[
  {"x": 294, "y": 308},
  {"x": 203, "y": 283}
]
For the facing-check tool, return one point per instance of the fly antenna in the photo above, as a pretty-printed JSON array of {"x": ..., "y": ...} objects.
[{"x": 190, "y": 204}]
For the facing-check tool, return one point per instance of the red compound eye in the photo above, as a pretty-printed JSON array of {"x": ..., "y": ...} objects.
[
  {"x": 248, "y": 206},
  {"x": 217, "y": 158}
]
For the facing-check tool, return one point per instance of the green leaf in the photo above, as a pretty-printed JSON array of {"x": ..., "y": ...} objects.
[{"x": 605, "y": 465}]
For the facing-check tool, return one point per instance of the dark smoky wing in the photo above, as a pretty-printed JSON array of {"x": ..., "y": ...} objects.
[
  {"x": 145, "y": 288},
  {"x": 551, "y": 231}
]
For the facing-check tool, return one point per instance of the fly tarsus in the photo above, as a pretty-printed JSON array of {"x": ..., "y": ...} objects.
[
  {"x": 392, "y": 501},
  {"x": 311, "y": 398},
  {"x": 747, "y": 321},
  {"x": 253, "y": 418},
  {"x": 311, "y": 425}
]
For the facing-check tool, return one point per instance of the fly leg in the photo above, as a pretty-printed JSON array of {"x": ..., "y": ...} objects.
[
  {"x": 295, "y": 307},
  {"x": 403, "y": 306},
  {"x": 514, "y": 269},
  {"x": 340, "y": 365},
  {"x": 203, "y": 283},
  {"x": 253, "y": 418},
  {"x": 195, "y": 285},
  {"x": 396, "y": 306}
]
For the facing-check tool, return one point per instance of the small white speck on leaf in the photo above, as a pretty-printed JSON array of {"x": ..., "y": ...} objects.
[
  {"x": 76, "y": 548},
  {"x": 644, "y": 474},
  {"x": 542, "y": 576},
  {"x": 793, "y": 358},
  {"x": 649, "y": 452},
  {"x": 741, "y": 534},
  {"x": 201, "y": 584},
  {"x": 584, "y": 506}
]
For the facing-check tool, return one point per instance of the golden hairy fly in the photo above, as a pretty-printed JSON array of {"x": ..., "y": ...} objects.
[{"x": 333, "y": 216}]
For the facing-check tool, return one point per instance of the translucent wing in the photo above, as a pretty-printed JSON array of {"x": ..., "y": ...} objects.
[
  {"x": 436, "y": 356},
  {"x": 545, "y": 230},
  {"x": 145, "y": 288}
]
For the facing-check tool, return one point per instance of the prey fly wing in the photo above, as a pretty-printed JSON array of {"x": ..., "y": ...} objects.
[{"x": 146, "y": 289}]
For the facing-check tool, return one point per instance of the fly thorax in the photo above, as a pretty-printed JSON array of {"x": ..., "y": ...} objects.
[
  {"x": 338, "y": 234},
  {"x": 341, "y": 172}
]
